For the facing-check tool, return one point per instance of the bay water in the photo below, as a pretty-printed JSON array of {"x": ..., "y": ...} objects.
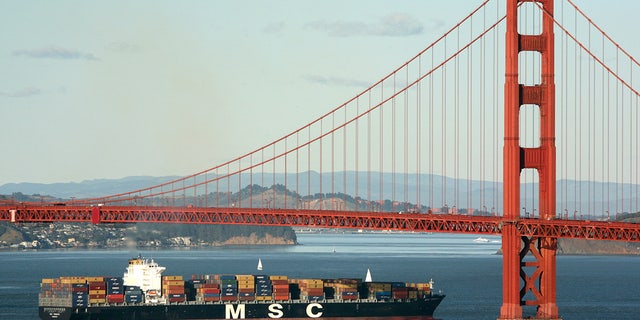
[{"x": 468, "y": 271}]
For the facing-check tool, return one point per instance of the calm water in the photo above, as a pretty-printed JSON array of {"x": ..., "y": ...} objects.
[{"x": 468, "y": 272}]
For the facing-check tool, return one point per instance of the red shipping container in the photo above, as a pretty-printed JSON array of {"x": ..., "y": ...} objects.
[
  {"x": 99, "y": 286},
  {"x": 280, "y": 287},
  {"x": 208, "y": 291},
  {"x": 279, "y": 282},
  {"x": 173, "y": 288},
  {"x": 400, "y": 295},
  {"x": 350, "y": 297},
  {"x": 173, "y": 291},
  {"x": 115, "y": 298},
  {"x": 315, "y": 291},
  {"x": 281, "y": 296},
  {"x": 229, "y": 298}
]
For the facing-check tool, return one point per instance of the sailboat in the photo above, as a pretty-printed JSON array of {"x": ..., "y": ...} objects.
[
  {"x": 368, "y": 277},
  {"x": 259, "y": 264}
]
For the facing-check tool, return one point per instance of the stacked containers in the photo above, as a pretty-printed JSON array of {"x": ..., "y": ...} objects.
[
  {"x": 246, "y": 287},
  {"x": 311, "y": 289},
  {"x": 115, "y": 289},
  {"x": 378, "y": 290},
  {"x": 50, "y": 291},
  {"x": 342, "y": 289},
  {"x": 133, "y": 294},
  {"x": 173, "y": 288},
  {"x": 82, "y": 291},
  {"x": 205, "y": 290},
  {"x": 423, "y": 289},
  {"x": 79, "y": 294},
  {"x": 399, "y": 290},
  {"x": 64, "y": 291},
  {"x": 263, "y": 289},
  {"x": 97, "y": 291},
  {"x": 228, "y": 287},
  {"x": 280, "y": 287}
]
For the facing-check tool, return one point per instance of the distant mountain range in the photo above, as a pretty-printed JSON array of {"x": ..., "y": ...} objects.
[
  {"x": 434, "y": 190},
  {"x": 84, "y": 189}
]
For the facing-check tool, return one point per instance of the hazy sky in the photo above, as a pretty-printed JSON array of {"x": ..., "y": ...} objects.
[{"x": 108, "y": 89}]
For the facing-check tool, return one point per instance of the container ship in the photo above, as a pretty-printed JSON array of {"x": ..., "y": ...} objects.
[{"x": 143, "y": 293}]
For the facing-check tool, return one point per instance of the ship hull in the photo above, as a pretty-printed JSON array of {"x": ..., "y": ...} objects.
[{"x": 371, "y": 310}]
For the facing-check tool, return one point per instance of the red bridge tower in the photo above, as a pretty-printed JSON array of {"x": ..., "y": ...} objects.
[{"x": 529, "y": 263}]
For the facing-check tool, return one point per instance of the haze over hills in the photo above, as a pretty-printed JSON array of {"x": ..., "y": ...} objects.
[
  {"x": 84, "y": 189},
  {"x": 432, "y": 189}
]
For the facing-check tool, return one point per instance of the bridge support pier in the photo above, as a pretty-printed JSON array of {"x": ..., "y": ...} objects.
[
  {"x": 95, "y": 215},
  {"x": 529, "y": 264}
]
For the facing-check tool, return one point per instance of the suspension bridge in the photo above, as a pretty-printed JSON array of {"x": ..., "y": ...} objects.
[{"x": 519, "y": 121}]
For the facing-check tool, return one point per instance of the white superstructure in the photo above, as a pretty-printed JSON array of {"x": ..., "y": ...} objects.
[{"x": 144, "y": 273}]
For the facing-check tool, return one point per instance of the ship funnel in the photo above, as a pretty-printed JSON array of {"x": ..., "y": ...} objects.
[{"x": 368, "y": 278}]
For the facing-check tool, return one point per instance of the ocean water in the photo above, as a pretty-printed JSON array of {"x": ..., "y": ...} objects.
[{"x": 469, "y": 272}]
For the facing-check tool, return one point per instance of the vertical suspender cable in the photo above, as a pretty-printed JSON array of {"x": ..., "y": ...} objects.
[
  {"x": 309, "y": 198},
  {"x": 589, "y": 125},
  {"x": 344, "y": 161},
  {"x": 631, "y": 149},
  {"x": 206, "y": 191},
  {"x": 333, "y": 160},
  {"x": 217, "y": 189},
  {"x": 320, "y": 165},
  {"x": 369, "y": 154},
  {"x": 497, "y": 118},
  {"x": 393, "y": 144},
  {"x": 381, "y": 150},
  {"x": 286, "y": 154},
  {"x": 576, "y": 117},
  {"x": 617, "y": 128},
  {"x": 357, "y": 158},
  {"x": 431, "y": 133},
  {"x": 418, "y": 138},
  {"x": 469, "y": 117},
  {"x": 406, "y": 142},
  {"x": 262, "y": 178},
  {"x": 605, "y": 129},
  {"x": 482, "y": 128},
  {"x": 297, "y": 170},
  {"x": 456, "y": 119},
  {"x": 444, "y": 131},
  {"x": 228, "y": 185}
]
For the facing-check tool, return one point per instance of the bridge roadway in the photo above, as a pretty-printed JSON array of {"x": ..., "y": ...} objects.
[{"x": 493, "y": 225}]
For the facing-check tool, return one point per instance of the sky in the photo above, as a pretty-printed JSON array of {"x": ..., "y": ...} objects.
[{"x": 109, "y": 89}]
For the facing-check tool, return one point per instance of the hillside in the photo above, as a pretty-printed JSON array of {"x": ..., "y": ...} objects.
[
  {"x": 85, "y": 235},
  {"x": 593, "y": 247}
]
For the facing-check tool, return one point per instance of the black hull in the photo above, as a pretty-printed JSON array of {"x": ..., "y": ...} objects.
[{"x": 415, "y": 310}]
